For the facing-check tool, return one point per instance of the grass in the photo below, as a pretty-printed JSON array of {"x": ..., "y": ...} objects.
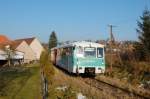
[
  {"x": 129, "y": 74},
  {"x": 74, "y": 85},
  {"x": 20, "y": 83},
  {"x": 134, "y": 71},
  {"x": 121, "y": 83}
]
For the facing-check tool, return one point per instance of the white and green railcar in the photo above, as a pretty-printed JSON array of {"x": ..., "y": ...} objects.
[{"x": 80, "y": 57}]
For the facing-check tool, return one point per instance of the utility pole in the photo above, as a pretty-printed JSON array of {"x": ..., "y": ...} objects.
[{"x": 112, "y": 41}]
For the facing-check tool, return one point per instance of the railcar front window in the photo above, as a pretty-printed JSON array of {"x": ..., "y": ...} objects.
[
  {"x": 99, "y": 52},
  {"x": 79, "y": 51},
  {"x": 90, "y": 52}
]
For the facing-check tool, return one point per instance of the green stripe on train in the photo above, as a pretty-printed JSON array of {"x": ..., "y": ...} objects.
[{"x": 90, "y": 62}]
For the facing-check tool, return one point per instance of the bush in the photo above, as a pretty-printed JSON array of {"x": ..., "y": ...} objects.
[{"x": 46, "y": 65}]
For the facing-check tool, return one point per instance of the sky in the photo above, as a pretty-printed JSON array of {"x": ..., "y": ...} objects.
[{"x": 71, "y": 19}]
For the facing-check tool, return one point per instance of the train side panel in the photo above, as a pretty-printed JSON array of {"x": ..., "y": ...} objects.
[
  {"x": 65, "y": 60},
  {"x": 53, "y": 57}
]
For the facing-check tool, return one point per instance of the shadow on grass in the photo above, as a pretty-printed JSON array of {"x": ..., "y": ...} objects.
[{"x": 12, "y": 81}]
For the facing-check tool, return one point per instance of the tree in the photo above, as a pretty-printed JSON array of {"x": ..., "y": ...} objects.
[
  {"x": 10, "y": 54},
  {"x": 46, "y": 65},
  {"x": 47, "y": 72},
  {"x": 144, "y": 33},
  {"x": 52, "y": 40}
]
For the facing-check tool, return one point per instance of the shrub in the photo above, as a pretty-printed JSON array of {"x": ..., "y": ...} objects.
[{"x": 46, "y": 65}]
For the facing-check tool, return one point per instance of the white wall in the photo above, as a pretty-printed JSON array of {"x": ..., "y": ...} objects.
[
  {"x": 29, "y": 54},
  {"x": 2, "y": 55},
  {"x": 37, "y": 48}
]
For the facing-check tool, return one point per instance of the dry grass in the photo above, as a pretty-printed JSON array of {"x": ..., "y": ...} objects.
[
  {"x": 77, "y": 86},
  {"x": 124, "y": 84},
  {"x": 127, "y": 72}
]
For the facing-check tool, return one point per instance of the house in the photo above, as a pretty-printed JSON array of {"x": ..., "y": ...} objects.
[
  {"x": 7, "y": 52},
  {"x": 35, "y": 45},
  {"x": 22, "y": 46},
  {"x": 2, "y": 55},
  {"x": 3, "y": 59},
  {"x": 3, "y": 41},
  {"x": 28, "y": 49}
]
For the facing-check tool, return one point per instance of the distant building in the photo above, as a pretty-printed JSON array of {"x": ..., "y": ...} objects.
[
  {"x": 2, "y": 55},
  {"x": 3, "y": 42},
  {"x": 7, "y": 51},
  {"x": 22, "y": 46},
  {"x": 28, "y": 49},
  {"x": 35, "y": 45}
]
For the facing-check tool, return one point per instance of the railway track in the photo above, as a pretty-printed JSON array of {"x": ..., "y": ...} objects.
[
  {"x": 115, "y": 91},
  {"x": 112, "y": 90}
]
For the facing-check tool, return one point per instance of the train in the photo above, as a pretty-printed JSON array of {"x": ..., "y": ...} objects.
[{"x": 80, "y": 57}]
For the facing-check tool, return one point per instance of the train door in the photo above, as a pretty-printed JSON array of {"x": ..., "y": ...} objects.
[{"x": 70, "y": 59}]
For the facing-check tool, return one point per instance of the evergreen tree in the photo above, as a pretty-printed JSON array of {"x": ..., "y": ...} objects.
[
  {"x": 52, "y": 40},
  {"x": 144, "y": 33}
]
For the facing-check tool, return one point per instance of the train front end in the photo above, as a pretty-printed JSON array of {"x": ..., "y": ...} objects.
[{"x": 90, "y": 59}]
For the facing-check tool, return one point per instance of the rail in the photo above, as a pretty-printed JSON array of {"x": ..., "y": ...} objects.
[{"x": 101, "y": 85}]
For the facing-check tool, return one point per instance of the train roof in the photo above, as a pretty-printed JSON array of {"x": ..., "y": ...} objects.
[{"x": 80, "y": 43}]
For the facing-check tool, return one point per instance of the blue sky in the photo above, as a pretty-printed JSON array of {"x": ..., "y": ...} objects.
[{"x": 71, "y": 19}]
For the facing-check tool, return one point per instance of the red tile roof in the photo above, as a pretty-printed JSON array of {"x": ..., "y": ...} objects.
[
  {"x": 13, "y": 44},
  {"x": 3, "y": 38},
  {"x": 3, "y": 44}
]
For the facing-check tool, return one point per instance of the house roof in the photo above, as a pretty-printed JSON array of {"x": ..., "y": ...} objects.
[
  {"x": 28, "y": 40},
  {"x": 3, "y": 38},
  {"x": 4, "y": 41},
  {"x": 13, "y": 44},
  {"x": 3, "y": 44}
]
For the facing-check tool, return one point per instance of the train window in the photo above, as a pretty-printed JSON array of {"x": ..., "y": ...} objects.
[
  {"x": 90, "y": 52},
  {"x": 63, "y": 52},
  {"x": 73, "y": 48},
  {"x": 99, "y": 52},
  {"x": 69, "y": 51},
  {"x": 79, "y": 51}
]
